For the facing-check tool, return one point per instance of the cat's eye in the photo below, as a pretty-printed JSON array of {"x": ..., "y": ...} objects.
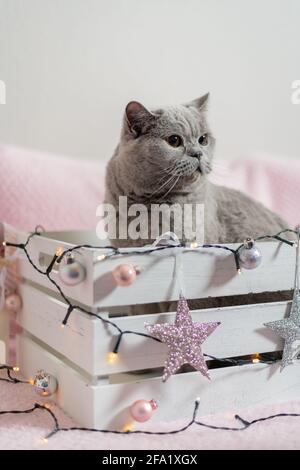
[
  {"x": 174, "y": 140},
  {"x": 203, "y": 140}
]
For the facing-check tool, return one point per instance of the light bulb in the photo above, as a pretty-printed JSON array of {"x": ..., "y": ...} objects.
[
  {"x": 128, "y": 427},
  {"x": 112, "y": 357},
  {"x": 256, "y": 358},
  {"x": 59, "y": 251}
]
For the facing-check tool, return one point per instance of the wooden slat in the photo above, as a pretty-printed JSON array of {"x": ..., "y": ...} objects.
[
  {"x": 42, "y": 316},
  {"x": 87, "y": 342},
  {"x": 106, "y": 406},
  {"x": 206, "y": 273}
]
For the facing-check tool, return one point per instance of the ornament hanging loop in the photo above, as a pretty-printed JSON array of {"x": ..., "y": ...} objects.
[
  {"x": 249, "y": 255},
  {"x": 297, "y": 261},
  {"x": 167, "y": 238},
  {"x": 178, "y": 274},
  {"x": 249, "y": 243}
]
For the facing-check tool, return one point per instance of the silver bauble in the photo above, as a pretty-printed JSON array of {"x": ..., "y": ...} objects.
[
  {"x": 45, "y": 384},
  {"x": 71, "y": 272},
  {"x": 249, "y": 255}
]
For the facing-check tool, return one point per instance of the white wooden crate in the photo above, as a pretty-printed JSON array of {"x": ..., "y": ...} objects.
[
  {"x": 208, "y": 273},
  {"x": 105, "y": 406},
  {"x": 98, "y": 393}
]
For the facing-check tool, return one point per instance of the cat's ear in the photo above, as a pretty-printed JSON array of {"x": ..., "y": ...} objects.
[
  {"x": 200, "y": 103},
  {"x": 137, "y": 117}
]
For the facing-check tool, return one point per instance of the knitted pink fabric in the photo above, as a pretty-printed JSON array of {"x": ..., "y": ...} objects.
[
  {"x": 27, "y": 431},
  {"x": 56, "y": 192},
  {"x": 273, "y": 181},
  {"x": 61, "y": 193}
]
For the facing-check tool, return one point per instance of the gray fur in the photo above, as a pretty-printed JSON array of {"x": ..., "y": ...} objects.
[{"x": 147, "y": 169}]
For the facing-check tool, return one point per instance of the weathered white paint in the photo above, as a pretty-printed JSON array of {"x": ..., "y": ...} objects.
[
  {"x": 105, "y": 406},
  {"x": 206, "y": 273},
  {"x": 86, "y": 342},
  {"x": 98, "y": 393}
]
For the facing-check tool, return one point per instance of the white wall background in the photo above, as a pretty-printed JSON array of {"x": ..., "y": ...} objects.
[{"x": 70, "y": 67}]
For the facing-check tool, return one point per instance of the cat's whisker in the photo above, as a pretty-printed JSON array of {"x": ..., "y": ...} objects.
[
  {"x": 169, "y": 181},
  {"x": 172, "y": 187},
  {"x": 162, "y": 179},
  {"x": 170, "y": 168},
  {"x": 162, "y": 186}
]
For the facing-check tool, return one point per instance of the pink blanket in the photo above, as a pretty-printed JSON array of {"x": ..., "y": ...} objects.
[
  {"x": 61, "y": 193},
  {"x": 27, "y": 431},
  {"x": 273, "y": 181}
]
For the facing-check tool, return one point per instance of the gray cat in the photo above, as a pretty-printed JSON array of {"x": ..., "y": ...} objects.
[{"x": 164, "y": 156}]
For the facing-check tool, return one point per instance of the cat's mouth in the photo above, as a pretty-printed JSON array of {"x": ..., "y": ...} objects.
[
  {"x": 195, "y": 175},
  {"x": 197, "y": 170},
  {"x": 192, "y": 171}
]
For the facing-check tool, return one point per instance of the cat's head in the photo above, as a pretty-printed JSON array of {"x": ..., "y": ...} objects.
[{"x": 175, "y": 139}]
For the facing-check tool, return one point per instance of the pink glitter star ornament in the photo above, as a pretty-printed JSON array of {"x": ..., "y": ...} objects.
[{"x": 184, "y": 339}]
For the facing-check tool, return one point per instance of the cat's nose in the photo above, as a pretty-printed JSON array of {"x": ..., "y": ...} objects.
[{"x": 197, "y": 154}]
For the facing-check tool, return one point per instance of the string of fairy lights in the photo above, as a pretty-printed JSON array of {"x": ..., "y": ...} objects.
[
  {"x": 47, "y": 408},
  {"x": 113, "y": 252}
]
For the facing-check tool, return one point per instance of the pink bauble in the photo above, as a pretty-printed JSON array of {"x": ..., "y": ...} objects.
[
  {"x": 142, "y": 410},
  {"x": 13, "y": 303},
  {"x": 124, "y": 274}
]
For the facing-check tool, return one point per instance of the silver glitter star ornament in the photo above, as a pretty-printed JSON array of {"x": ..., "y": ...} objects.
[
  {"x": 289, "y": 328},
  {"x": 184, "y": 340}
]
